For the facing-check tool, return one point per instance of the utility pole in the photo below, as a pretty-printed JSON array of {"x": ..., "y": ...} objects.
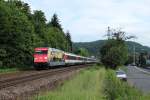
[
  {"x": 108, "y": 32},
  {"x": 134, "y": 55}
]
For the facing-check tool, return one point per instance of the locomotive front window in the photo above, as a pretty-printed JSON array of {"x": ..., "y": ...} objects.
[{"x": 41, "y": 52}]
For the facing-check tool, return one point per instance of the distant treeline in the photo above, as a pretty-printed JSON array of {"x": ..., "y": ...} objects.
[
  {"x": 95, "y": 46},
  {"x": 21, "y": 31}
]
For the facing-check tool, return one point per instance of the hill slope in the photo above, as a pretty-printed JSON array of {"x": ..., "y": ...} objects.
[{"x": 94, "y": 47}]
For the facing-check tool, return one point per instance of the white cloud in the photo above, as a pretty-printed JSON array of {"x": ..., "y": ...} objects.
[{"x": 87, "y": 20}]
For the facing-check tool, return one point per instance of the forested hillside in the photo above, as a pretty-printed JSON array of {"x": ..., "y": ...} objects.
[
  {"x": 21, "y": 31},
  {"x": 94, "y": 47}
]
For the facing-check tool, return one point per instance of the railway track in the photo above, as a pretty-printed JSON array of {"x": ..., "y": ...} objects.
[{"x": 18, "y": 80}]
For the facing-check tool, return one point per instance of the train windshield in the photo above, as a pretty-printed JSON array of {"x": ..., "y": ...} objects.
[{"x": 41, "y": 52}]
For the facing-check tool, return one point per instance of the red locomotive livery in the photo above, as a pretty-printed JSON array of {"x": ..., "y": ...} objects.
[
  {"x": 40, "y": 55},
  {"x": 45, "y": 57}
]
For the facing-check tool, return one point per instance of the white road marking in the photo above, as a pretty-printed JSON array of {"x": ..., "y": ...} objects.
[{"x": 144, "y": 71}]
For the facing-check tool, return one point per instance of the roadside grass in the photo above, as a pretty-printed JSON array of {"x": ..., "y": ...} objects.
[
  {"x": 95, "y": 83},
  {"x": 119, "y": 90},
  {"x": 88, "y": 85}
]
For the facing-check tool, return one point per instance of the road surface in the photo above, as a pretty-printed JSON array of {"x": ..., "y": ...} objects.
[{"x": 138, "y": 78}]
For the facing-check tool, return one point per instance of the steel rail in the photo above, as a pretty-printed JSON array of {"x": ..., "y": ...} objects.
[{"x": 18, "y": 80}]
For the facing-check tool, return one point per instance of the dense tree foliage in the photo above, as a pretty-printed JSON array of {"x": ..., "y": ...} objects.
[
  {"x": 52, "y": 40},
  {"x": 21, "y": 31},
  {"x": 15, "y": 35},
  {"x": 55, "y": 22},
  {"x": 68, "y": 37},
  {"x": 142, "y": 59},
  {"x": 39, "y": 22},
  {"x": 115, "y": 52},
  {"x": 130, "y": 59},
  {"x": 82, "y": 52}
]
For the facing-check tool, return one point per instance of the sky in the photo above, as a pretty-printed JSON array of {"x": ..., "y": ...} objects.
[{"x": 87, "y": 20}]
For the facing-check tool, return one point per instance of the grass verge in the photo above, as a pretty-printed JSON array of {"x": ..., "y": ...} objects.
[
  {"x": 4, "y": 70},
  {"x": 95, "y": 83},
  {"x": 88, "y": 85},
  {"x": 8, "y": 70},
  {"x": 119, "y": 90}
]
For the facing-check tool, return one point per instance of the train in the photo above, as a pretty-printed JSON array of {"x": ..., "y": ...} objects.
[{"x": 46, "y": 57}]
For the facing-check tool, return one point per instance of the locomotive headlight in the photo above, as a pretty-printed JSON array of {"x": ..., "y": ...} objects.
[
  {"x": 45, "y": 57},
  {"x": 35, "y": 59}
]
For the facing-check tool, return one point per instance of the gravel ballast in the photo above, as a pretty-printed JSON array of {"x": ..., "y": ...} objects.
[{"x": 25, "y": 91}]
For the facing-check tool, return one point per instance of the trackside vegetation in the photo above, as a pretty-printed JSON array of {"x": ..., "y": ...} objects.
[
  {"x": 95, "y": 84},
  {"x": 88, "y": 85},
  {"x": 8, "y": 70}
]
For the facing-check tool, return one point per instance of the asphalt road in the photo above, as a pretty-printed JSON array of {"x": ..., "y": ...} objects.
[{"x": 138, "y": 78}]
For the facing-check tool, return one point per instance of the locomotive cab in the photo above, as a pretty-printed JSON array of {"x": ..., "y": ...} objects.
[
  {"x": 47, "y": 58},
  {"x": 40, "y": 57}
]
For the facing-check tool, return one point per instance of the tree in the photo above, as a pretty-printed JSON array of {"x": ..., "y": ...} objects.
[
  {"x": 55, "y": 38},
  {"x": 130, "y": 59},
  {"x": 113, "y": 54},
  {"x": 2, "y": 56},
  {"x": 21, "y": 31},
  {"x": 142, "y": 59},
  {"x": 69, "y": 44},
  {"x": 82, "y": 51},
  {"x": 24, "y": 7},
  {"x": 55, "y": 22},
  {"x": 39, "y": 22},
  {"x": 118, "y": 35},
  {"x": 115, "y": 51},
  {"x": 16, "y": 36}
]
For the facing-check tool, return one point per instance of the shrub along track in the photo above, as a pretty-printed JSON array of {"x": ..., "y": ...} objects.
[{"x": 22, "y": 79}]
